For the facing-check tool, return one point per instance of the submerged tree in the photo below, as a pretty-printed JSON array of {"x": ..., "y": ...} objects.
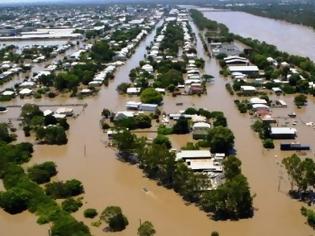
[
  {"x": 114, "y": 217},
  {"x": 146, "y": 229}
]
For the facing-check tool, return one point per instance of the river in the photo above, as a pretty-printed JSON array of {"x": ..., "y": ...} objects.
[
  {"x": 288, "y": 37},
  {"x": 108, "y": 181}
]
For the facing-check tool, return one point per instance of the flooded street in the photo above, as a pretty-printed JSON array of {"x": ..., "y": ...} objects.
[{"x": 108, "y": 181}]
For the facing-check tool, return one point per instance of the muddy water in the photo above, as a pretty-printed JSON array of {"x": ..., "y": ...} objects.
[
  {"x": 292, "y": 38},
  {"x": 108, "y": 181}
]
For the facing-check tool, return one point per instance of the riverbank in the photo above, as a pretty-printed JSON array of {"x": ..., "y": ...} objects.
[{"x": 288, "y": 37}]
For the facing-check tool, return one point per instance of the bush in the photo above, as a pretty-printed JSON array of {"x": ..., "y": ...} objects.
[
  {"x": 268, "y": 143},
  {"x": 181, "y": 126},
  {"x": 90, "y": 213},
  {"x": 115, "y": 218},
  {"x": 146, "y": 229},
  {"x": 310, "y": 215},
  {"x": 162, "y": 129},
  {"x": 229, "y": 89},
  {"x": 71, "y": 205},
  {"x": 300, "y": 100}
]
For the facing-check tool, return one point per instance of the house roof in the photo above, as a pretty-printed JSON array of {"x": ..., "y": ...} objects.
[
  {"x": 191, "y": 154},
  {"x": 282, "y": 130}
]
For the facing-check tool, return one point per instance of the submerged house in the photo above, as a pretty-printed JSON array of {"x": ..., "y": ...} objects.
[
  {"x": 247, "y": 70},
  {"x": 283, "y": 132}
]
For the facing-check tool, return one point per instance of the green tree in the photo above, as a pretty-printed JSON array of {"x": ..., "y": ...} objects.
[
  {"x": 292, "y": 165},
  {"x": 146, "y": 229},
  {"x": 5, "y": 135},
  {"x": 52, "y": 135},
  {"x": 114, "y": 217},
  {"x": 181, "y": 126},
  {"x": 300, "y": 100},
  {"x": 230, "y": 200},
  {"x": 149, "y": 95},
  {"x": 101, "y": 52},
  {"x": 15, "y": 200},
  {"x": 43, "y": 172},
  {"x": 232, "y": 167},
  {"x": 66, "y": 189},
  {"x": 29, "y": 111},
  {"x": 162, "y": 140},
  {"x": 71, "y": 205},
  {"x": 125, "y": 141},
  {"x": 90, "y": 213},
  {"x": 221, "y": 139}
]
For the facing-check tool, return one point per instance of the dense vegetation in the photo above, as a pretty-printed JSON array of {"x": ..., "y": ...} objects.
[
  {"x": 101, "y": 52},
  {"x": 149, "y": 95},
  {"x": 41, "y": 173},
  {"x": 140, "y": 121},
  {"x": 159, "y": 163},
  {"x": 174, "y": 36},
  {"x": 22, "y": 193},
  {"x": 263, "y": 130},
  {"x": 48, "y": 129},
  {"x": 214, "y": 29},
  {"x": 301, "y": 173}
]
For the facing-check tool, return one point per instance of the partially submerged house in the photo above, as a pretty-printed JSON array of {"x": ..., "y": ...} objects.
[{"x": 283, "y": 133}]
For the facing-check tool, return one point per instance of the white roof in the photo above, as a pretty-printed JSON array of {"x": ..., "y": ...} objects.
[
  {"x": 276, "y": 89},
  {"x": 59, "y": 116},
  {"x": 7, "y": 93},
  {"x": 198, "y": 118},
  {"x": 160, "y": 90},
  {"x": 201, "y": 125},
  {"x": 248, "y": 88},
  {"x": 203, "y": 164},
  {"x": 47, "y": 112},
  {"x": 25, "y": 91},
  {"x": 283, "y": 130},
  {"x": 259, "y": 106},
  {"x": 133, "y": 104},
  {"x": 257, "y": 100},
  {"x": 125, "y": 113},
  {"x": 243, "y": 69},
  {"x": 64, "y": 110},
  {"x": 133, "y": 90},
  {"x": 190, "y": 154},
  {"x": 147, "y": 68}
]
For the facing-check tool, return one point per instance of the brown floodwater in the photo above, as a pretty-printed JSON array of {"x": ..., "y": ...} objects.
[
  {"x": 108, "y": 181},
  {"x": 292, "y": 38}
]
